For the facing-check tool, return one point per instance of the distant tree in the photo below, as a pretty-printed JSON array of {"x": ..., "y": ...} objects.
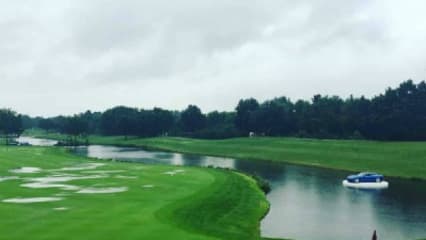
[
  {"x": 30, "y": 122},
  {"x": 46, "y": 124},
  {"x": 75, "y": 126},
  {"x": 10, "y": 124},
  {"x": 244, "y": 120},
  {"x": 120, "y": 121},
  {"x": 192, "y": 119},
  {"x": 275, "y": 117},
  {"x": 219, "y": 125},
  {"x": 397, "y": 114},
  {"x": 164, "y": 121}
]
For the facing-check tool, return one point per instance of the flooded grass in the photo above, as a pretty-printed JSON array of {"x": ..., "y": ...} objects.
[{"x": 77, "y": 199}]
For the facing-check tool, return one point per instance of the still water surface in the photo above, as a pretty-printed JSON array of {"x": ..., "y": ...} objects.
[{"x": 309, "y": 203}]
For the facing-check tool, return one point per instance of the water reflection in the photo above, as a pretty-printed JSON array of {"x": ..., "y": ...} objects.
[
  {"x": 310, "y": 203},
  {"x": 36, "y": 141}
]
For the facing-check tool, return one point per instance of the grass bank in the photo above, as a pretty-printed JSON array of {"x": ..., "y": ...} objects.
[
  {"x": 398, "y": 159},
  {"x": 149, "y": 202}
]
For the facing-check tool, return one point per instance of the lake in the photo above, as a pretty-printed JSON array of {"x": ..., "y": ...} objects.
[{"x": 307, "y": 202}]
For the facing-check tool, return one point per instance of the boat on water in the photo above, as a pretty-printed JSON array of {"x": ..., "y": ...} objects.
[{"x": 366, "y": 180}]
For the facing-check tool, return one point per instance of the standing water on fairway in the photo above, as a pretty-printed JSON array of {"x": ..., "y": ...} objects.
[
  {"x": 37, "y": 141},
  {"x": 310, "y": 203}
]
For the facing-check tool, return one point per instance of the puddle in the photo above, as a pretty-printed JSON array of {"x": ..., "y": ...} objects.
[
  {"x": 62, "y": 194},
  {"x": 174, "y": 172},
  {"x": 2, "y": 179},
  {"x": 125, "y": 177},
  {"x": 103, "y": 190},
  {"x": 60, "y": 209},
  {"x": 103, "y": 171},
  {"x": 83, "y": 166},
  {"x": 63, "y": 178},
  {"x": 32, "y": 200},
  {"x": 50, "y": 185},
  {"x": 26, "y": 170}
]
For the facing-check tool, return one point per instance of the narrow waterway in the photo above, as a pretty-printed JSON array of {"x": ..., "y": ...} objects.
[{"x": 309, "y": 203}]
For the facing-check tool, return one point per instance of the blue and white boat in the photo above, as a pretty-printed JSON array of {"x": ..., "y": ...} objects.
[{"x": 367, "y": 180}]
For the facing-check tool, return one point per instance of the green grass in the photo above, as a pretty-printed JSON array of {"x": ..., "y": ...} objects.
[
  {"x": 398, "y": 159},
  {"x": 195, "y": 204}
]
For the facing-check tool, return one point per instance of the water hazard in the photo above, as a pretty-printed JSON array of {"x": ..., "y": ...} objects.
[{"x": 310, "y": 203}]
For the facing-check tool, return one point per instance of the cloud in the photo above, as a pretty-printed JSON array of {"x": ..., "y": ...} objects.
[{"x": 97, "y": 54}]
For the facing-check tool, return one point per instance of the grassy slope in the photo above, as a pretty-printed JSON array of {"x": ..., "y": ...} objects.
[
  {"x": 195, "y": 204},
  {"x": 400, "y": 159}
]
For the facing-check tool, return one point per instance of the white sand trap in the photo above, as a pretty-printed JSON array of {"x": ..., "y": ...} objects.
[
  {"x": 148, "y": 186},
  {"x": 83, "y": 166},
  {"x": 103, "y": 190},
  {"x": 32, "y": 200},
  {"x": 2, "y": 179},
  {"x": 125, "y": 177},
  {"x": 50, "y": 185},
  {"x": 26, "y": 170},
  {"x": 60, "y": 209}
]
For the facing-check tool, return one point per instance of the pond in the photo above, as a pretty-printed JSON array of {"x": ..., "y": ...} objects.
[{"x": 309, "y": 203}]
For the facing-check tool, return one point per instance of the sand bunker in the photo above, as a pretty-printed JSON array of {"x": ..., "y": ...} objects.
[
  {"x": 32, "y": 200},
  {"x": 26, "y": 170},
  {"x": 50, "y": 185},
  {"x": 103, "y": 190},
  {"x": 2, "y": 179},
  {"x": 83, "y": 166}
]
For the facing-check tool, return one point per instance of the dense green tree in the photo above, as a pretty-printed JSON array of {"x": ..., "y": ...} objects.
[
  {"x": 245, "y": 120},
  {"x": 397, "y": 114},
  {"x": 46, "y": 124},
  {"x": 10, "y": 124},
  {"x": 120, "y": 121},
  {"x": 192, "y": 119}
]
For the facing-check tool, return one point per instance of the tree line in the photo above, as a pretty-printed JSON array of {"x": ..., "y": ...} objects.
[
  {"x": 10, "y": 124},
  {"x": 397, "y": 114}
]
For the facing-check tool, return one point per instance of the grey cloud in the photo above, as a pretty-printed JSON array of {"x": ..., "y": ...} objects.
[{"x": 209, "y": 53}]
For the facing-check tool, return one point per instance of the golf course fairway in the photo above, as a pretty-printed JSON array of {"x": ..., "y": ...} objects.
[{"x": 48, "y": 193}]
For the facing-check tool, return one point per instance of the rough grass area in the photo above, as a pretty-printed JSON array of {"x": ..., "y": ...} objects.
[
  {"x": 398, "y": 159},
  {"x": 160, "y": 202}
]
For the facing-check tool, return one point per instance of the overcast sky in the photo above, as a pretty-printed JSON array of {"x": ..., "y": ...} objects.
[{"x": 64, "y": 57}]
